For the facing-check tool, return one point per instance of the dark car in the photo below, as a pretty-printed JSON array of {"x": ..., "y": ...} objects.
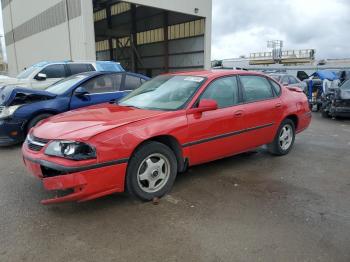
[
  {"x": 23, "y": 108},
  {"x": 336, "y": 102},
  {"x": 288, "y": 80}
]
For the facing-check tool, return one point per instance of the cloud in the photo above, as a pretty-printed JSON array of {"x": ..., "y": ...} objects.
[{"x": 242, "y": 27}]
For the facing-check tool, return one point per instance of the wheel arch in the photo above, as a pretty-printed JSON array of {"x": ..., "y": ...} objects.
[
  {"x": 41, "y": 112},
  {"x": 293, "y": 118},
  {"x": 173, "y": 144}
]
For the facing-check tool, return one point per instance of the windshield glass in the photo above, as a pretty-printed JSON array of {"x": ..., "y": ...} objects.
[
  {"x": 64, "y": 85},
  {"x": 27, "y": 72},
  {"x": 166, "y": 92},
  {"x": 346, "y": 85}
]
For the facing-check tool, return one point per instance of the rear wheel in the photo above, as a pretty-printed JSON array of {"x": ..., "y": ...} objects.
[
  {"x": 284, "y": 139},
  {"x": 151, "y": 171},
  {"x": 32, "y": 123}
]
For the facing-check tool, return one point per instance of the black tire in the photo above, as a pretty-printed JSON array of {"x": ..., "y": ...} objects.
[
  {"x": 137, "y": 162},
  {"x": 32, "y": 123},
  {"x": 275, "y": 148},
  {"x": 324, "y": 113}
]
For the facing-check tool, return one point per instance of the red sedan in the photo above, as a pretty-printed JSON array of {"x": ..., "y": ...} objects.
[{"x": 168, "y": 124}]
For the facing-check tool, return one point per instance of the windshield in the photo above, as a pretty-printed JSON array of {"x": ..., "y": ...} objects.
[
  {"x": 346, "y": 85},
  {"x": 27, "y": 72},
  {"x": 64, "y": 85},
  {"x": 165, "y": 92}
]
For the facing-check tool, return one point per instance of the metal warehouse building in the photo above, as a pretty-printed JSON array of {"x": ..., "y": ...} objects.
[{"x": 146, "y": 36}]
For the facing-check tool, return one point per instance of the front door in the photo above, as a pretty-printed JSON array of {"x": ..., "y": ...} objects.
[
  {"x": 215, "y": 134},
  {"x": 101, "y": 89}
]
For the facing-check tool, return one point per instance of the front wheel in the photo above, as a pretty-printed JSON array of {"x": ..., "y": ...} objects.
[
  {"x": 151, "y": 171},
  {"x": 284, "y": 139}
]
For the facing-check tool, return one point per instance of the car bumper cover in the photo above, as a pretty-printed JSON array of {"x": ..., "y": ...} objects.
[{"x": 85, "y": 183}]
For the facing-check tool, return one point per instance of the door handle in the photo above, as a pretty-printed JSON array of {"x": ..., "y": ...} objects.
[
  {"x": 278, "y": 105},
  {"x": 238, "y": 113}
]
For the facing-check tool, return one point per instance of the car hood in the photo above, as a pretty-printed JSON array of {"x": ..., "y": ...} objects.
[
  {"x": 14, "y": 82},
  {"x": 84, "y": 123},
  {"x": 10, "y": 95}
]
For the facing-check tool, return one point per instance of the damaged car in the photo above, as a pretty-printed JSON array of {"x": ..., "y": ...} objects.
[
  {"x": 22, "y": 108},
  {"x": 171, "y": 122},
  {"x": 336, "y": 101}
]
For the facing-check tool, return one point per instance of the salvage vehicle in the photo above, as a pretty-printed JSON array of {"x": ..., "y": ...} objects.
[
  {"x": 23, "y": 108},
  {"x": 317, "y": 84},
  {"x": 172, "y": 122},
  {"x": 336, "y": 101},
  {"x": 43, "y": 74},
  {"x": 288, "y": 80}
]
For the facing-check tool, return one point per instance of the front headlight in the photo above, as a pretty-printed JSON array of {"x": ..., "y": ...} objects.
[
  {"x": 8, "y": 111},
  {"x": 71, "y": 150}
]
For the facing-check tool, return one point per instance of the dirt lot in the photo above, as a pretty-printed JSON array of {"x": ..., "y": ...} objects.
[{"x": 252, "y": 207}]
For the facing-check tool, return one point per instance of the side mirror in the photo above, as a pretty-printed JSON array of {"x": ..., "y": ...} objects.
[
  {"x": 80, "y": 92},
  {"x": 40, "y": 77},
  {"x": 205, "y": 105},
  {"x": 285, "y": 83}
]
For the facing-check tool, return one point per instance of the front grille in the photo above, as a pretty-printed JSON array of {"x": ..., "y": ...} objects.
[
  {"x": 35, "y": 143},
  {"x": 1, "y": 109}
]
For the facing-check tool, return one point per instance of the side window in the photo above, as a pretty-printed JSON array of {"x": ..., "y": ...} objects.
[
  {"x": 54, "y": 71},
  {"x": 292, "y": 80},
  {"x": 256, "y": 88},
  {"x": 79, "y": 68},
  {"x": 100, "y": 84},
  {"x": 285, "y": 80},
  {"x": 276, "y": 87},
  {"x": 224, "y": 91},
  {"x": 117, "y": 81},
  {"x": 131, "y": 82}
]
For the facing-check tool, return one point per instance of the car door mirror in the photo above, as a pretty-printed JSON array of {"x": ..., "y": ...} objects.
[
  {"x": 205, "y": 105},
  {"x": 80, "y": 92},
  {"x": 40, "y": 77}
]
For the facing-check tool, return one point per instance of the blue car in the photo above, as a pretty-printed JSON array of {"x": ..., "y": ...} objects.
[{"x": 23, "y": 108}]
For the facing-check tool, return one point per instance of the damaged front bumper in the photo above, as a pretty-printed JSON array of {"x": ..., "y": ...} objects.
[{"x": 76, "y": 183}]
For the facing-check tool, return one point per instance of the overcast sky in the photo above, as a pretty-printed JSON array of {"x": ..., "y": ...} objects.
[{"x": 242, "y": 27}]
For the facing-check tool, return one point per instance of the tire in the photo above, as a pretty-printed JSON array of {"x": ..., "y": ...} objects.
[
  {"x": 324, "y": 113},
  {"x": 279, "y": 148},
  {"x": 151, "y": 171},
  {"x": 32, "y": 123}
]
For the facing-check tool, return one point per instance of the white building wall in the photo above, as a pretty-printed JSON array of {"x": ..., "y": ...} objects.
[{"x": 73, "y": 40}]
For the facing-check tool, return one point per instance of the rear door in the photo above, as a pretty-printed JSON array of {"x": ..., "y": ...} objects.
[
  {"x": 215, "y": 134},
  {"x": 101, "y": 89},
  {"x": 262, "y": 110}
]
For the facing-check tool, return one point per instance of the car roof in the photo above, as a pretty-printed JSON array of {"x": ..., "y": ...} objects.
[{"x": 216, "y": 73}]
